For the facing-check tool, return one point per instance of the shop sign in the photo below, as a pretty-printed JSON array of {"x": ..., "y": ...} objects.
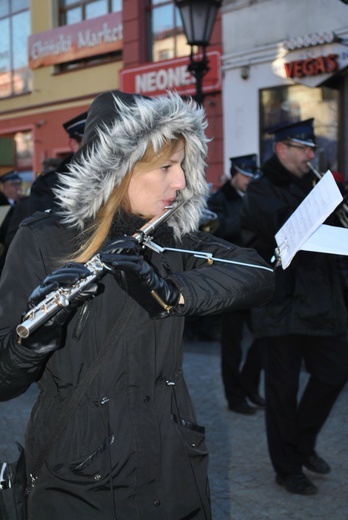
[
  {"x": 73, "y": 42},
  {"x": 155, "y": 78},
  {"x": 313, "y": 65}
]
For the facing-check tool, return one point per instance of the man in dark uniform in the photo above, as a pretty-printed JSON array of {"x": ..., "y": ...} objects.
[
  {"x": 241, "y": 382},
  {"x": 41, "y": 194},
  {"x": 10, "y": 188},
  {"x": 305, "y": 324},
  {"x": 10, "y": 193}
]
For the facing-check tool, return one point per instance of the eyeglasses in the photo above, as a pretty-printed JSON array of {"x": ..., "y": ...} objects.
[{"x": 304, "y": 148}]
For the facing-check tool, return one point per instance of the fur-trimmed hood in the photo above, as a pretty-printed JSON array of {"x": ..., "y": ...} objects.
[{"x": 118, "y": 130}]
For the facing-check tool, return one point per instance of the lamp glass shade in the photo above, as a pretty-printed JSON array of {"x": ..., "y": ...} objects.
[{"x": 198, "y": 18}]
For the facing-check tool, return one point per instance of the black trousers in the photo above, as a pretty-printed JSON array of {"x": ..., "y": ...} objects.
[
  {"x": 239, "y": 380},
  {"x": 293, "y": 421}
]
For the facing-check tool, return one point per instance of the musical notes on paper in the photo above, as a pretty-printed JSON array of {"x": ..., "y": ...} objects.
[{"x": 307, "y": 218}]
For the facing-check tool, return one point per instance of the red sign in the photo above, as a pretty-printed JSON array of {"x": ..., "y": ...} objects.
[
  {"x": 155, "y": 78},
  {"x": 79, "y": 40},
  {"x": 312, "y": 66}
]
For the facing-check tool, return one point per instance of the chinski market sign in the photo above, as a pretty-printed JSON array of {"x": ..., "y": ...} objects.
[{"x": 73, "y": 42}]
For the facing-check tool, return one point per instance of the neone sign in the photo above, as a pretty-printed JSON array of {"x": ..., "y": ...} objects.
[
  {"x": 162, "y": 79},
  {"x": 156, "y": 78}
]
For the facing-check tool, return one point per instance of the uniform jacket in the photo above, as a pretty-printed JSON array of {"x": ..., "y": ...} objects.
[
  {"x": 133, "y": 450},
  {"x": 227, "y": 204},
  {"x": 308, "y": 295},
  {"x": 4, "y": 226}
]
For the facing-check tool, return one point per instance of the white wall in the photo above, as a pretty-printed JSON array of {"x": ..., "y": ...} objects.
[
  {"x": 253, "y": 33},
  {"x": 247, "y": 23},
  {"x": 241, "y": 110}
]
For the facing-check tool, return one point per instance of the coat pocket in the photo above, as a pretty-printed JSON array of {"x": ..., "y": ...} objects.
[
  {"x": 193, "y": 436},
  {"x": 93, "y": 467},
  {"x": 189, "y": 462}
]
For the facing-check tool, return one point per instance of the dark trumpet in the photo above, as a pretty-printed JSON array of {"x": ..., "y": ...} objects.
[
  {"x": 63, "y": 296},
  {"x": 342, "y": 210}
]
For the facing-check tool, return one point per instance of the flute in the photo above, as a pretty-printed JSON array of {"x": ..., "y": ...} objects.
[
  {"x": 342, "y": 210},
  {"x": 62, "y": 297}
]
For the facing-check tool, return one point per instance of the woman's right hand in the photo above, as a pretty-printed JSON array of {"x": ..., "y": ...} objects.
[
  {"x": 49, "y": 336},
  {"x": 65, "y": 277}
]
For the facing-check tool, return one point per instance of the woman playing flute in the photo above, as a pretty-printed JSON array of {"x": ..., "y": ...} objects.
[{"x": 133, "y": 449}]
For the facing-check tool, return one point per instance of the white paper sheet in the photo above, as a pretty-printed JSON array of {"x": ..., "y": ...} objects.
[
  {"x": 328, "y": 239},
  {"x": 306, "y": 219}
]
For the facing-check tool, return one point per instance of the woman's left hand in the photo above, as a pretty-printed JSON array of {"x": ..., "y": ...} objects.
[{"x": 138, "y": 278}]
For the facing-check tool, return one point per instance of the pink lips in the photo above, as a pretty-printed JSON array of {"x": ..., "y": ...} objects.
[{"x": 168, "y": 203}]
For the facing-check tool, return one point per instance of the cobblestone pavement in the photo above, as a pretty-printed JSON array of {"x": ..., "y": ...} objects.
[{"x": 241, "y": 477}]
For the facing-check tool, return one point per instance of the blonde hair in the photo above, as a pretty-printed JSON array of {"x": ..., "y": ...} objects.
[{"x": 98, "y": 231}]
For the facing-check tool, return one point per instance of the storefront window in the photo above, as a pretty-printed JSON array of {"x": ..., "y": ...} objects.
[
  {"x": 24, "y": 149},
  {"x": 72, "y": 11},
  {"x": 22, "y": 73},
  {"x": 116, "y": 6},
  {"x": 15, "y": 75},
  {"x": 285, "y": 105},
  {"x": 167, "y": 39},
  {"x": 18, "y": 5},
  {"x": 96, "y": 9}
]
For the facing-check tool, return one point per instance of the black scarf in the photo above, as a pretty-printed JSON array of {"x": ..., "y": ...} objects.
[{"x": 125, "y": 224}]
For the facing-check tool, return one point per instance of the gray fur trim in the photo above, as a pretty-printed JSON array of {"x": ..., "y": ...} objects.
[{"x": 104, "y": 162}]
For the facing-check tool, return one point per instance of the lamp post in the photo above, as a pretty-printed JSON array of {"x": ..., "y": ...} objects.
[{"x": 198, "y": 18}]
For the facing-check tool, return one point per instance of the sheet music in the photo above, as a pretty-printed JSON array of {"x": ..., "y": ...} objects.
[
  {"x": 306, "y": 219},
  {"x": 328, "y": 239}
]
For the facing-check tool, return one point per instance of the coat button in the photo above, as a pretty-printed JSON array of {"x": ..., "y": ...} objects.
[
  {"x": 147, "y": 399},
  {"x": 157, "y": 502}
]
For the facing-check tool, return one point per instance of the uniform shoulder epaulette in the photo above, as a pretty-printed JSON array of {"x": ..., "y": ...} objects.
[{"x": 36, "y": 217}]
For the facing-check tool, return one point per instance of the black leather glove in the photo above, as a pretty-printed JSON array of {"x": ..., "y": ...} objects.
[
  {"x": 48, "y": 337},
  {"x": 138, "y": 278}
]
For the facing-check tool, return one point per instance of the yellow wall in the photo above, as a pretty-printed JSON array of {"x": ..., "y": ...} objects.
[
  {"x": 55, "y": 96},
  {"x": 67, "y": 87}
]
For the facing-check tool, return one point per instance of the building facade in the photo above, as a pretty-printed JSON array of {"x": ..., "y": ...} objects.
[
  {"x": 283, "y": 62},
  {"x": 57, "y": 56}
]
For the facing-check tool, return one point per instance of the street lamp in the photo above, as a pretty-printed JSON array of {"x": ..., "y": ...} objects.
[{"x": 198, "y": 18}]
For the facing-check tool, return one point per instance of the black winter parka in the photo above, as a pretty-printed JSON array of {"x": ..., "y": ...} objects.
[
  {"x": 308, "y": 296},
  {"x": 135, "y": 428}
]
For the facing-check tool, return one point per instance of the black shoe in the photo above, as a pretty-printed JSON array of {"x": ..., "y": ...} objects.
[
  {"x": 297, "y": 483},
  {"x": 243, "y": 408},
  {"x": 316, "y": 464},
  {"x": 256, "y": 399}
]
